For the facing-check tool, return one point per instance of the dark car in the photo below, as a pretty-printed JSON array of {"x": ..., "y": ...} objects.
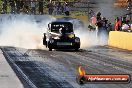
[{"x": 60, "y": 35}]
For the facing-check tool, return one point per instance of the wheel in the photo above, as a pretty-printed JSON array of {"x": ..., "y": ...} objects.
[
  {"x": 50, "y": 49},
  {"x": 76, "y": 49},
  {"x": 46, "y": 45},
  {"x": 44, "y": 39}
]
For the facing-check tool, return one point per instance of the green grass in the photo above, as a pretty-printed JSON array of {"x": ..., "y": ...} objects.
[
  {"x": 8, "y": 7},
  {"x": 0, "y": 5},
  {"x": 78, "y": 13}
]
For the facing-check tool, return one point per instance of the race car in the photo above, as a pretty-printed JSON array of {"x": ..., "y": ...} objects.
[{"x": 60, "y": 35}]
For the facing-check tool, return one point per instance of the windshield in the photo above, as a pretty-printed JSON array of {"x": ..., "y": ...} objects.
[{"x": 57, "y": 27}]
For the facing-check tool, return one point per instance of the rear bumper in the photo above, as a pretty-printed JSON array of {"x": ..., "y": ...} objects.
[{"x": 71, "y": 45}]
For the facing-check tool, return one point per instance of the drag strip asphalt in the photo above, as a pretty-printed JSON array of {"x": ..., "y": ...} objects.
[{"x": 38, "y": 68}]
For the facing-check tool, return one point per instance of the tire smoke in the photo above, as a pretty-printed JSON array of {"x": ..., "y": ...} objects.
[
  {"x": 90, "y": 38},
  {"x": 23, "y": 31},
  {"x": 26, "y": 31}
]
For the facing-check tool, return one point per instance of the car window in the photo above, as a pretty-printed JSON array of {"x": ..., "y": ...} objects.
[{"x": 56, "y": 27}]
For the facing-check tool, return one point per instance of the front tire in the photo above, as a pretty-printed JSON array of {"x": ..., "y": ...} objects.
[
  {"x": 50, "y": 49},
  {"x": 44, "y": 39},
  {"x": 76, "y": 49}
]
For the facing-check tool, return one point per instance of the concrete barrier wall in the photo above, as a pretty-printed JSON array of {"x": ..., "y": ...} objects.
[{"x": 121, "y": 40}]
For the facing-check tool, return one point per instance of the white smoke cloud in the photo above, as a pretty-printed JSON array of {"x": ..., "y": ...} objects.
[
  {"x": 23, "y": 31},
  {"x": 90, "y": 38}
]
